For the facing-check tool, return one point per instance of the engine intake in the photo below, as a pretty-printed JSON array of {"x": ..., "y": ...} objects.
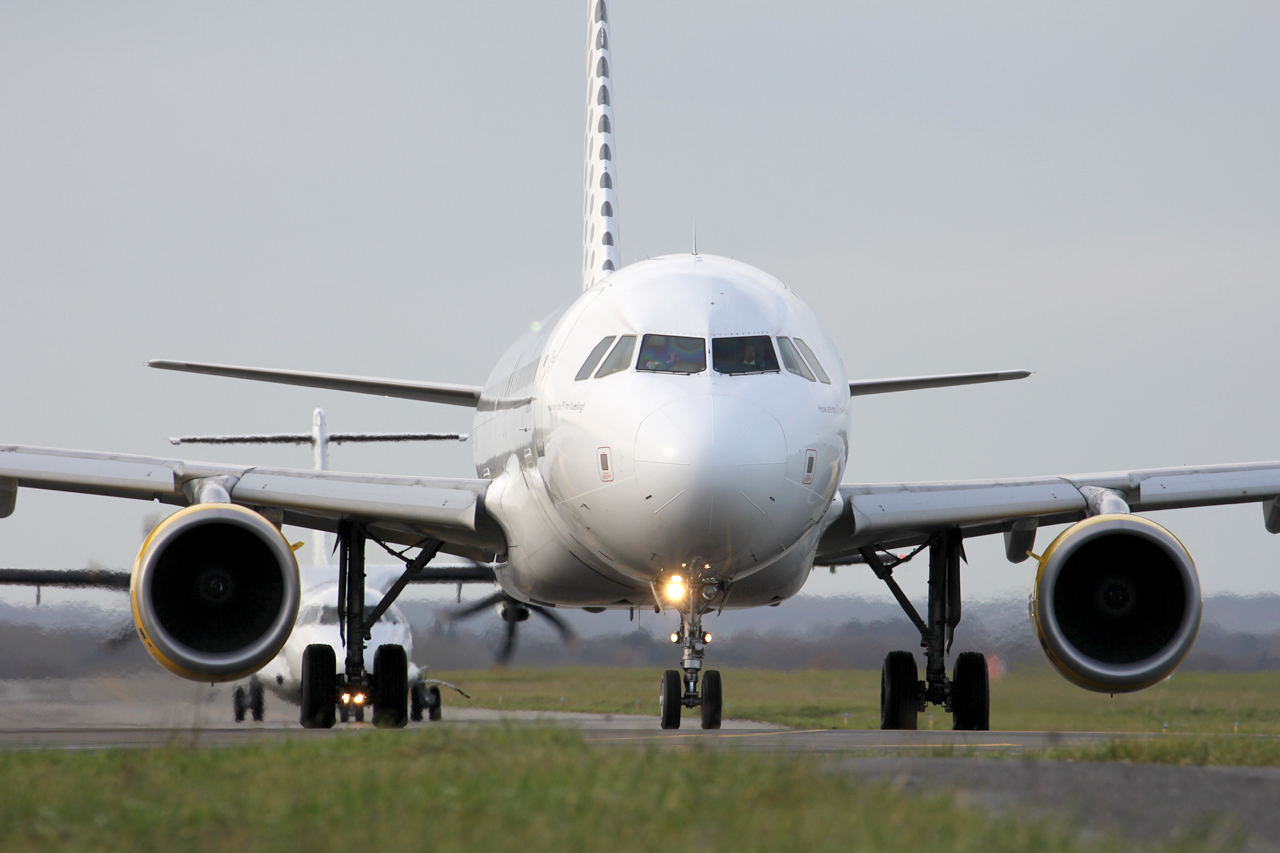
[
  {"x": 1116, "y": 605},
  {"x": 215, "y": 592}
]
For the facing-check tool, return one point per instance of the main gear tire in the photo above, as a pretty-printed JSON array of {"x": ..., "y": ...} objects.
[
  {"x": 899, "y": 691},
  {"x": 390, "y": 687},
  {"x": 970, "y": 693},
  {"x": 319, "y": 686}
]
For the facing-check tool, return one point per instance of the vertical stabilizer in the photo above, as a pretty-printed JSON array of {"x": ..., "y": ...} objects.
[{"x": 600, "y": 199}]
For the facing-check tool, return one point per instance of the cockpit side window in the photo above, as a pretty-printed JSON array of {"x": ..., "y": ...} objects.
[
  {"x": 620, "y": 358},
  {"x": 792, "y": 360},
  {"x": 750, "y": 354},
  {"x": 592, "y": 360},
  {"x": 813, "y": 361},
  {"x": 672, "y": 354}
]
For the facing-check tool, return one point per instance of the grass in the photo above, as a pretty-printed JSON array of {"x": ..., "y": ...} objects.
[
  {"x": 1030, "y": 699},
  {"x": 481, "y": 788}
]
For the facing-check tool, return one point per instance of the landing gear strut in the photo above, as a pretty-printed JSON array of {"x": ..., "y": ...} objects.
[
  {"x": 966, "y": 694},
  {"x": 252, "y": 700},
  {"x": 328, "y": 693},
  {"x": 680, "y": 687}
]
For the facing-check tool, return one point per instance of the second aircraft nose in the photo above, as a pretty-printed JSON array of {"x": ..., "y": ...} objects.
[{"x": 711, "y": 470}]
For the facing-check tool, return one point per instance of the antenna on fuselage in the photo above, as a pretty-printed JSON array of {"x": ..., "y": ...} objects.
[
  {"x": 319, "y": 438},
  {"x": 695, "y": 236}
]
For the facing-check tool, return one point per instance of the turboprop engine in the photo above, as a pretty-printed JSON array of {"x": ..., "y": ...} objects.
[
  {"x": 1116, "y": 604},
  {"x": 215, "y": 592}
]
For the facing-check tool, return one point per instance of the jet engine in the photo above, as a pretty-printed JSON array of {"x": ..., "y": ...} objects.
[
  {"x": 215, "y": 592},
  {"x": 1116, "y": 604}
]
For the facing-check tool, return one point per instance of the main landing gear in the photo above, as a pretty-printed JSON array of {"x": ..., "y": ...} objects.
[
  {"x": 680, "y": 687},
  {"x": 252, "y": 700},
  {"x": 328, "y": 693},
  {"x": 967, "y": 693}
]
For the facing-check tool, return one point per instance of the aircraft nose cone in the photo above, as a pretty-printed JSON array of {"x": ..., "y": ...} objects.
[{"x": 711, "y": 471}]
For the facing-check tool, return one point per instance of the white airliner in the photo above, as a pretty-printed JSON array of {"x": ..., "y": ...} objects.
[
  {"x": 674, "y": 437},
  {"x": 320, "y": 620}
]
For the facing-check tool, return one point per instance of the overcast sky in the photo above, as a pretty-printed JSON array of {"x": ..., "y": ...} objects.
[{"x": 1088, "y": 191}]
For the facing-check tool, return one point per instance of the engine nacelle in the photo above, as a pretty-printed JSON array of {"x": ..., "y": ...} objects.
[
  {"x": 1116, "y": 604},
  {"x": 215, "y": 592}
]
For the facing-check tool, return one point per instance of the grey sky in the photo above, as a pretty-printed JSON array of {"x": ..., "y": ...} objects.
[{"x": 1089, "y": 191}]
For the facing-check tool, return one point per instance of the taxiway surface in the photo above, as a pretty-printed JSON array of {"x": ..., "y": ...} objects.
[{"x": 1144, "y": 802}]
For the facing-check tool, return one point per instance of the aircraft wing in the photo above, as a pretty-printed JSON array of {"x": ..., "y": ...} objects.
[
  {"x": 894, "y": 515},
  {"x": 429, "y": 392},
  {"x": 399, "y": 509}
]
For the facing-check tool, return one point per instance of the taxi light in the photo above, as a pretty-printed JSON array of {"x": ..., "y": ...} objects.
[
  {"x": 675, "y": 637},
  {"x": 359, "y": 698},
  {"x": 346, "y": 698},
  {"x": 706, "y": 638}
]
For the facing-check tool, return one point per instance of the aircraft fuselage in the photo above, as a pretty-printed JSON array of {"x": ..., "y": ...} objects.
[{"x": 708, "y": 448}]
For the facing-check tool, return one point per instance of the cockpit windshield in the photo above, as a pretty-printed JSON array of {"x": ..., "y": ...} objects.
[
  {"x": 752, "y": 354},
  {"x": 671, "y": 354}
]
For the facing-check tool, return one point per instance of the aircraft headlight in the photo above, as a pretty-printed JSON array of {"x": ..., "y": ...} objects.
[
  {"x": 358, "y": 698},
  {"x": 675, "y": 637},
  {"x": 675, "y": 588},
  {"x": 706, "y": 638},
  {"x": 346, "y": 698}
]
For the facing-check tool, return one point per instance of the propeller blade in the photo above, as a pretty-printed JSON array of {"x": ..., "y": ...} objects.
[
  {"x": 472, "y": 609},
  {"x": 566, "y": 632},
  {"x": 508, "y": 647}
]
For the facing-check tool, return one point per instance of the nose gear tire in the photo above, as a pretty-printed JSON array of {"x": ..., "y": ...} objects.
[
  {"x": 390, "y": 687},
  {"x": 899, "y": 691},
  {"x": 670, "y": 698},
  {"x": 319, "y": 686},
  {"x": 970, "y": 693},
  {"x": 712, "y": 697}
]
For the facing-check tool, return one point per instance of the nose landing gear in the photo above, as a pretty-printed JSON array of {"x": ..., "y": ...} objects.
[
  {"x": 680, "y": 689},
  {"x": 251, "y": 700}
]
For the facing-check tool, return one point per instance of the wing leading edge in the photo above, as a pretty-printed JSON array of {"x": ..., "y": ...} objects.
[
  {"x": 428, "y": 392},
  {"x": 397, "y": 508},
  {"x": 892, "y": 515},
  {"x": 916, "y": 383}
]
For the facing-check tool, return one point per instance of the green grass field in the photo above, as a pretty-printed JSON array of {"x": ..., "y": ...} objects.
[
  {"x": 1032, "y": 699},
  {"x": 478, "y": 788}
]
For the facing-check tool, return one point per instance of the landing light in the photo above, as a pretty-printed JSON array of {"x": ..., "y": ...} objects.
[
  {"x": 706, "y": 638},
  {"x": 346, "y": 698},
  {"x": 675, "y": 637},
  {"x": 358, "y": 699},
  {"x": 675, "y": 588}
]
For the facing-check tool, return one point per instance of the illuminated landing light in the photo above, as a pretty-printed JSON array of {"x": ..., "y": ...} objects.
[
  {"x": 346, "y": 698},
  {"x": 358, "y": 699},
  {"x": 675, "y": 637},
  {"x": 675, "y": 588},
  {"x": 706, "y": 638}
]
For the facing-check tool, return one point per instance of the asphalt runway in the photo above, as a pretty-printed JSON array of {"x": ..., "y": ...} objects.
[{"x": 1148, "y": 803}]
